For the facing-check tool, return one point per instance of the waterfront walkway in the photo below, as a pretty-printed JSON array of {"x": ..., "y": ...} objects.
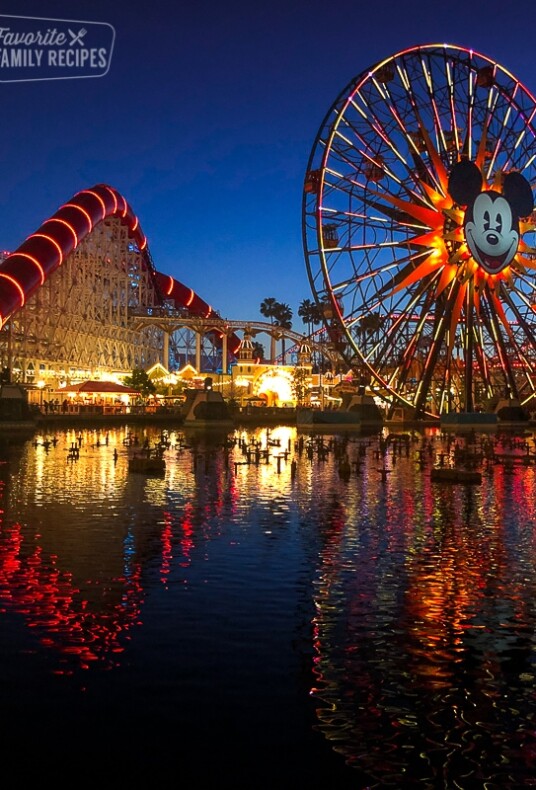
[{"x": 250, "y": 415}]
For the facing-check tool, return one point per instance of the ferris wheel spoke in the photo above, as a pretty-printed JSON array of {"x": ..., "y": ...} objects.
[
  {"x": 376, "y": 129},
  {"x": 415, "y": 314},
  {"x": 528, "y": 335},
  {"x": 415, "y": 268},
  {"x": 482, "y": 363},
  {"x": 499, "y": 331},
  {"x": 429, "y": 367},
  {"x": 402, "y": 361},
  {"x": 523, "y": 297},
  {"x": 432, "y": 173},
  {"x": 401, "y": 128}
]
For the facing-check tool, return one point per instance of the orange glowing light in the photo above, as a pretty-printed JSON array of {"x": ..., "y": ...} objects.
[
  {"x": 417, "y": 274},
  {"x": 449, "y": 259},
  {"x": 36, "y": 263},
  {"x": 67, "y": 225},
  {"x": 98, "y": 197},
  {"x": 84, "y": 212},
  {"x": 114, "y": 196},
  {"x": 17, "y": 285},
  {"x": 52, "y": 241},
  {"x": 447, "y": 276},
  {"x": 169, "y": 286}
]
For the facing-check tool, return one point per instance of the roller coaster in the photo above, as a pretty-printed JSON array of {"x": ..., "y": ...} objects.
[{"x": 81, "y": 297}]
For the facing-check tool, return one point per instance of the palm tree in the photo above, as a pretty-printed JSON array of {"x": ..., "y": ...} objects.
[
  {"x": 268, "y": 307},
  {"x": 283, "y": 318},
  {"x": 310, "y": 313}
]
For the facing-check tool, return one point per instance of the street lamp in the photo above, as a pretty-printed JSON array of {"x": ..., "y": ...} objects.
[
  {"x": 329, "y": 384},
  {"x": 41, "y": 385}
]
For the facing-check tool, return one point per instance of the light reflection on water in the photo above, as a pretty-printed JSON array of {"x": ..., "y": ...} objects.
[{"x": 238, "y": 589}]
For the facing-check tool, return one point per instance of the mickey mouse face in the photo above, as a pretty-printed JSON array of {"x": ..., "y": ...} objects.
[
  {"x": 491, "y": 222},
  {"x": 491, "y": 231}
]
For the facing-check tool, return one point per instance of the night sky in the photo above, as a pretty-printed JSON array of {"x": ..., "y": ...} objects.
[{"x": 206, "y": 119}]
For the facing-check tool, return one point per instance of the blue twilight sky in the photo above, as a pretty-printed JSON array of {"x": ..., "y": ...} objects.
[{"x": 206, "y": 119}]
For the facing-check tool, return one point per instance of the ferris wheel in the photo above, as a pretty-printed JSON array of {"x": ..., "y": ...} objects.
[{"x": 418, "y": 230}]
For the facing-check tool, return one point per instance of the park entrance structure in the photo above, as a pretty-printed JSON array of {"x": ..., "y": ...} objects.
[{"x": 433, "y": 320}]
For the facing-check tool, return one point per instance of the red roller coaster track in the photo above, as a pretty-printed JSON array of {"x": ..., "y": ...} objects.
[{"x": 25, "y": 270}]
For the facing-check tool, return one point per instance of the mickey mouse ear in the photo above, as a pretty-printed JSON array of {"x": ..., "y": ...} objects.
[
  {"x": 518, "y": 193},
  {"x": 465, "y": 182}
]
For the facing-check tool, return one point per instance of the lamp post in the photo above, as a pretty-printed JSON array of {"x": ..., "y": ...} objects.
[
  {"x": 41, "y": 385},
  {"x": 329, "y": 384}
]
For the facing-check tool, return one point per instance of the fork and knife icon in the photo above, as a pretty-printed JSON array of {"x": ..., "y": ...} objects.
[{"x": 76, "y": 38}]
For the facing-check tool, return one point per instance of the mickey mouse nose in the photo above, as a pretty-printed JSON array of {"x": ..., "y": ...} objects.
[{"x": 492, "y": 238}]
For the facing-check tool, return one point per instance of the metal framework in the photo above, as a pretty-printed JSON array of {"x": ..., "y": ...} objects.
[
  {"x": 176, "y": 323},
  {"x": 77, "y": 323},
  {"x": 422, "y": 316}
]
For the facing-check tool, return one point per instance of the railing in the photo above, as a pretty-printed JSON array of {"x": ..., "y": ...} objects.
[{"x": 173, "y": 319}]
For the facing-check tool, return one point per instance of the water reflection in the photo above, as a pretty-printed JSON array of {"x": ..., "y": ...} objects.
[
  {"x": 422, "y": 633},
  {"x": 425, "y": 629}
]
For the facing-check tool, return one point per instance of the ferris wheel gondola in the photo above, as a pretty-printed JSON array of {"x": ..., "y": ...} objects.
[{"x": 409, "y": 192}]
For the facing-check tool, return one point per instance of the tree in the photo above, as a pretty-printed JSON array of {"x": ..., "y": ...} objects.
[
  {"x": 258, "y": 350},
  {"x": 139, "y": 380},
  {"x": 300, "y": 385},
  {"x": 310, "y": 314},
  {"x": 283, "y": 318},
  {"x": 283, "y": 315},
  {"x": 280, "y": 314},
  {"x": 268, "y": 307}
]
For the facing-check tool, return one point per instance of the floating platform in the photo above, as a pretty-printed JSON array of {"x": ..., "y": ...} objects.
[
  {"x": 510, "y": 412},
  {"x": 357, "y": 412},
  {"x": 140, "y": 463},
  {"x": 206, "y": 409},
  {"x": 455, "y": 475},
  {"x": 14, "y": 427},
  {"x": 333, "y": 419},
  {"x": 469, "y": 420}
]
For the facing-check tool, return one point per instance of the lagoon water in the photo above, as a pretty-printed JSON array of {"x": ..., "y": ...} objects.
[{"x": 255, "y": 618}]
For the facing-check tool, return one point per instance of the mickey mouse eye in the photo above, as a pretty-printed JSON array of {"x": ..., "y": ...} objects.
[
  {"x": 486, "y": 220},
  {"x": 498, "y": 223}
]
